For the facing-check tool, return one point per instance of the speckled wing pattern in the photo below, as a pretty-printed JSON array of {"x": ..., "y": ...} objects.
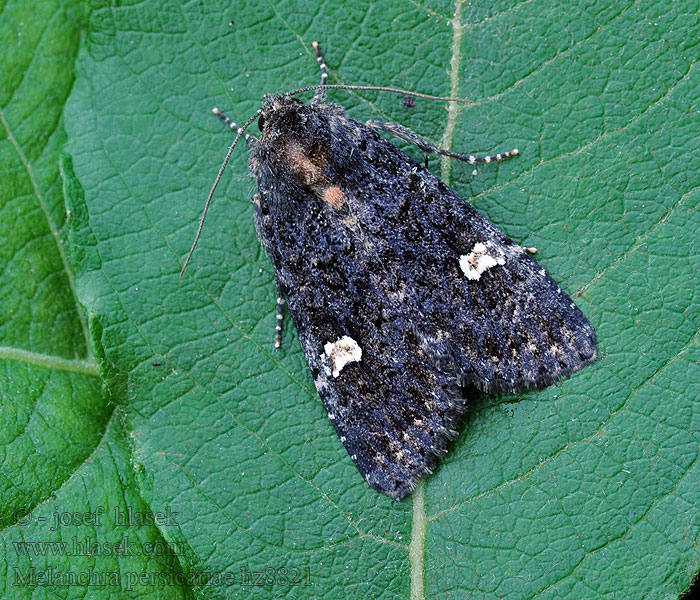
[{"x": 400, "y": 291}]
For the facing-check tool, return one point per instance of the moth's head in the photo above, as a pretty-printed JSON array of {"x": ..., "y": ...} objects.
[{"x": 275, "y": 105}]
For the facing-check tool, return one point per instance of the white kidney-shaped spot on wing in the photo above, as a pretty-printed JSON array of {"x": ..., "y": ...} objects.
[
  {"x": 479, "y": 260},
  {"x": 339, "y": 353}
]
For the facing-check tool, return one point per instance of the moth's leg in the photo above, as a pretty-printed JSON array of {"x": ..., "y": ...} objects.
[
  {"x": 320, "y": 93},
  {"x": 413, "y": 138},
  {"x": 280, "y": 319},
  {"x": 250, "y": 140}
]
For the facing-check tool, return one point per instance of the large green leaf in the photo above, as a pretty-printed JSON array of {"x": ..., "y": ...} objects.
[
  {"x": 58, "y": 457},
  {"x": 587, "y": 489},
  {"x": 48, "y": 383}
]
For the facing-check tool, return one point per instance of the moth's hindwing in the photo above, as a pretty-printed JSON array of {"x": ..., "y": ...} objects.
[{"x": 399, "y": 290}]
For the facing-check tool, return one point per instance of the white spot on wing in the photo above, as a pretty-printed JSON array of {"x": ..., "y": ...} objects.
[
  {"x": 339, "y": 353},
  {"x": 478, "y": 261}
]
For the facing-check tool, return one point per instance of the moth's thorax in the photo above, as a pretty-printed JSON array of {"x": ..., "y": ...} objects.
[{"x": 294, "y": 148}]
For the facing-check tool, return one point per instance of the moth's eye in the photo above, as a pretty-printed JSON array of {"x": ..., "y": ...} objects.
[{"x": 261, "y": 123}]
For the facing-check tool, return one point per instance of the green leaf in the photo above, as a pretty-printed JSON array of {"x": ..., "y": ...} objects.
[
  {"x": 587, "y": 489},
  {"x": 58, "y": 457},
  {"x": 52, "y": 410}
]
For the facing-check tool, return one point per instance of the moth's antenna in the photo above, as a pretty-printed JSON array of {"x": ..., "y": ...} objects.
[
  {"x": 320, "y": 94},
  {"x": 239, "y": 133},
  {"x": 337, "y": 86}
]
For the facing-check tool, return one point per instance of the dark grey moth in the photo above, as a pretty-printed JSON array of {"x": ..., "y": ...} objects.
[{"x": 403, "y": 296}]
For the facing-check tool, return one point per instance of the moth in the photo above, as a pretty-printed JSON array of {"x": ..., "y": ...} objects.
[{"x": 403, "y": 296}]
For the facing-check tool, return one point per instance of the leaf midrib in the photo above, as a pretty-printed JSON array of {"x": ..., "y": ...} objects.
[{"x": 419, "y": 522}]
